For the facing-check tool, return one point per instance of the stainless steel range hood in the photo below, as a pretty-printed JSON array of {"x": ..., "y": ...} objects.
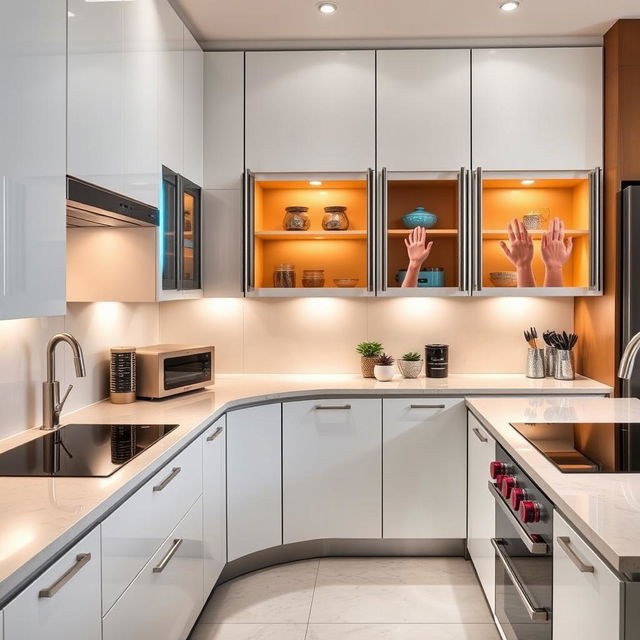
[{"x": 92, "y": 206}]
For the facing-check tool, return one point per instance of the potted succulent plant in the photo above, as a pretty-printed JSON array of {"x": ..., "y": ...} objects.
[
  {"x": 384, "y": 368},
  {"x": 410, "y": 364},
  {"x": 369, "y": 352}
]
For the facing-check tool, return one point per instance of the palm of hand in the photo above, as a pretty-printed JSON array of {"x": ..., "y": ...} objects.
[
  {"x": 417, "y": 248},
  {"x": 520, "y": 249},
  {"x": 555, "y": 249}
]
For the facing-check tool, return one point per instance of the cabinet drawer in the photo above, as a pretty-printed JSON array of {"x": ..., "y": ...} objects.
[
  {"x": 166, "y": 597},
  {"x": 424, "y": 462},
  {"x": 133, "y": 533},
  {"x": 586, "y": 593},
  {"x": 64, "y": 602}
]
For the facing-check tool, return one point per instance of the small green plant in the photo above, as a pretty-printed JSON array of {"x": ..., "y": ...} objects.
[
  {"x": 385, "y": 360},
  {"x": 412, "y": 356},
  {"x": 369, "y": 349}
]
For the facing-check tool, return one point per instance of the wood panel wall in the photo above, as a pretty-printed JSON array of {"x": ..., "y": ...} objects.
[{"x": 597, "y": 320}]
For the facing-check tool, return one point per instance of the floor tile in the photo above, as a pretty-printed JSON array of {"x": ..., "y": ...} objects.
[
  {"x": 398, "y": 590},
  {"x": 402, "y": 632},
  {"x": 279, "y": 594},
  {"x": 237, "y": 631}
]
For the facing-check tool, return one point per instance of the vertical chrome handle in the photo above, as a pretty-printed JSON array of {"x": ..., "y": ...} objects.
[
  {"x": 598, "y": 216},
  {"x": 479, "y": 435},
  {"x": 565, "y": 543},
  {"x": 165, "y": 561},
  {"x": 371, "y": 231},
  {"x": 248, "y": 186},
  {"x": 592, "y": 231},
  {"x": 384, "y": 229},
  {"x": 477, "y": 230},
  {"x": 215, "y": 434},
  {"x": 463, "y": 239},
  {"x": 174, "y": 472},
  {"x": 81, "y": 560}
]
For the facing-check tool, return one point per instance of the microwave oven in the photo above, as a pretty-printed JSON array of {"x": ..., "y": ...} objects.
[{"x": 165, "y": 370}]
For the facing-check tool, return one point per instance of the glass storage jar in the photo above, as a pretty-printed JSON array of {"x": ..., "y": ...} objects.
[
  {"x": 284, "y": 276},
  {"x": 335, "y": 219},
  {"x": 313, "y": 278},
  {"x": 296, "y": 219}
]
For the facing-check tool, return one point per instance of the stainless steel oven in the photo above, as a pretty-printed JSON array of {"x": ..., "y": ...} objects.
[{"x": 523, "y": 552}]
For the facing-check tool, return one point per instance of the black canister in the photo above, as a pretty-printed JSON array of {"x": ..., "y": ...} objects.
[{"x": 437, "y": 360}]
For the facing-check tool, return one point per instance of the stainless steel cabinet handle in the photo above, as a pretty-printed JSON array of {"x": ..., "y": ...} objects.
[
  {"x": 371, "y": 230},
  {"x": 536, "y": 548},
  {"x": 463, "y": 251},
  {"x": 81, "y": 560},
  {"x": 165, "y": 561},
  {"x": 384, "y": 229},
  {"x": 476, "y": 229},
  {"x": 428, "y": 406},
  {"x": 215, "y": 434},
  {"x": 174, "y": 472},
  {"x": 332, "y": 407},
  {"x": 248, "y": 184},
  {"x": 565, "y": 545},
  {"x": 479, "y": 435},
  {"x": 535, "y": 614}
]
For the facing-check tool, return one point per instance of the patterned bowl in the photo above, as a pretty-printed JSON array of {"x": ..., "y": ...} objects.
[
  {"x": 503, "y": 278},
  {"x": 419, "y": 218},
  {"x": 345, "y": 282}
]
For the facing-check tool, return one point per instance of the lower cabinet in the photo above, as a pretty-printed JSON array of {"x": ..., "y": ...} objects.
[
  {"x": 166, "y": 597},
  {"x": 254, "y": 479},
  {"x": 424, "y": 462},
  {"x": 481, "y": 507},
  {"x": 587, "y": 595},
  {"x": 214, "y": 502},
  {"x": 331, "y": 469},
  {"x": 64, "y": 602}
]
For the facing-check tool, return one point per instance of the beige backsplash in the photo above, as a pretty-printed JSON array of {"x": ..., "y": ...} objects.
[{"x": 318, "y": 335}]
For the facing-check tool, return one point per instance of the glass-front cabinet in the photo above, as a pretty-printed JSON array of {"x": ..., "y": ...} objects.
[
  {"x": 309, "y": 234},
  {"x": 536, "y": 233},
  {"x": 436, "y": 201}
]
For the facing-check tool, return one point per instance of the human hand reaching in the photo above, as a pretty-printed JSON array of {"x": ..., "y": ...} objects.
[
  {"x": 417, "y": 248},
  {"x": 520, "y": 252},
  {"x": 555, "y": 250}
]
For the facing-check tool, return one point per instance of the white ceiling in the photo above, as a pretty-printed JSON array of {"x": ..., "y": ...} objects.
[{"x": 216, "y": 22}]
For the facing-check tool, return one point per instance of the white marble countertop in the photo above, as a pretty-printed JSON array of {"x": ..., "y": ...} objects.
[
  {"x": 604, "y": 508},
  {"x": 41, "y": 517}
]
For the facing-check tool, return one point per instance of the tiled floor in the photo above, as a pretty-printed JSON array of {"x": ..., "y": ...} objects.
[{"x": 351, "y": 599}]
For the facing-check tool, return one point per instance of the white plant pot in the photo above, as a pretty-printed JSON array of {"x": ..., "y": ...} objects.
[{"x": 384, "y": 373}]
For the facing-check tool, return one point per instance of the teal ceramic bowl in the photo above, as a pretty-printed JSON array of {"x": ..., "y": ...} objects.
[{"x": 419, "y": 218}]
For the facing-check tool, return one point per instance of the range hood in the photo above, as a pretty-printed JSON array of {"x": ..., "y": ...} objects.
[{"x": 92, "y": 206}]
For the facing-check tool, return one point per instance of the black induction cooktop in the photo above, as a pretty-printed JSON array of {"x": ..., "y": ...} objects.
[
  {"x": 82, "y": 450},
  {"x": 586, "y": 447}
]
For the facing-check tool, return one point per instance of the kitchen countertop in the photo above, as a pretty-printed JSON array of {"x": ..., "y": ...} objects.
[
  {"x": 603, "y": 507},
  {"x": 41, "y": 517}
]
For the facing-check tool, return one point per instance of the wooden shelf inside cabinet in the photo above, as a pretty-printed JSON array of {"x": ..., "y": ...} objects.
[
  {"x": 311, "y": 235},
  {"x": 498, "y": 234},
  {"x": 440, "y": 233}
]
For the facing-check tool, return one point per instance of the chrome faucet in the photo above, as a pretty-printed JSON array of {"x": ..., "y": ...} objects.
[
  {"x": 628, "y": 359},
  {"x": 51, "y": 403}
]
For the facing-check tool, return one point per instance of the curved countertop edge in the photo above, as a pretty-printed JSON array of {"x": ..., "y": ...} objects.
[
  {"x": 624, "y": 565},
  {"x": 143, "y": 467}
]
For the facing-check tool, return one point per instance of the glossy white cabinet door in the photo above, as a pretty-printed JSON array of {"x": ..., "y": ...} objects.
[
  {"x": 214, "y": 502},
  {"x": 170, "y": 88},
  {"x": 310, "y": 110},
  {"x": 481, "y": 507},
  {"x": 72, "y": 610},
  {"x": 223, "y": 119},
  {"x": 424, "y": 462},
  {"x": 96, "y": 93},
  {"x": 163, "y": 604},
  {"x": 424, "y": 109},
  {"x": 32, "y": 158},
  {"x": 193, "y": 109},
  {"x": 140, "y": 107},
  {"x": 254, "y": 486},
  {"x": 134, "y": 531},
  {"x": 331, "y": 454},
  {"x": 537, "y": 108},
  {"x": 586, "y": 604}
]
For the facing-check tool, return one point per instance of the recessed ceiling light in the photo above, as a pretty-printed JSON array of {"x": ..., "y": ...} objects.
[
  {"x": 527, "y": 181},
  {"x": 509, "y": 5},
  {"x": 327, "y": 7},
  {"x": 315, "y": 183}
]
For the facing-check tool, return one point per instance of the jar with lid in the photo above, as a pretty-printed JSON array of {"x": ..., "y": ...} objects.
[
  {"x": 313, "y": 278},
  {"x": 296, "y": 219},
  {"x": 284, "y": 276},
  {"x": 335, "y": 219}
]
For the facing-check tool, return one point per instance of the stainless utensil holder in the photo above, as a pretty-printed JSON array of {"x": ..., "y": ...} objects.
[
  {"x": 565, "y": 365},
  {"x": 550, "y": 357},
  {"x": 535, "y": 363}
]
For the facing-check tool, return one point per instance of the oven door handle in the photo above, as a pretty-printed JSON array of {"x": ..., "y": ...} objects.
[
  {"x": 535, "y": 614},
  {"x": 536, "y": 548}
]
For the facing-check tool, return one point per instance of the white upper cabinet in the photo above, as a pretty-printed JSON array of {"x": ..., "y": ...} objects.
[
  {"x": 223, "y": 119},
  {"x": 537, "y": 109},
  {"x": 95, "y": 93},
  {"x": 423, "y": 109},
  {"x": 193, "y": 107},
  {"x": 310, "y": 111},
  {"x": 32, "y": 158}
]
